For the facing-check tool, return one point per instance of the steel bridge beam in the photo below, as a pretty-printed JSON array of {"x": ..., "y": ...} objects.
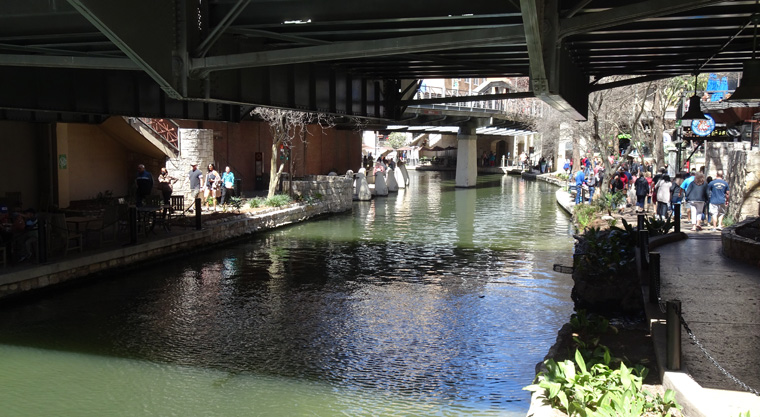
[
  {"x": 67, "y": 62},
  {"x": 507, "y": 35},
  {"x": 555, "y": 78},
  {"x": 628, "y": 13},
  {"x": 152, "y": 46}
]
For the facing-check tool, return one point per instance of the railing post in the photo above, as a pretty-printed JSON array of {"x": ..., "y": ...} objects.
[
  {"x": 673, "y": 336},
  {"x": 644, "y": 248},
  {"x": 197, "y": 213},
  {"x": 640, "y": 221},
  {"x": 677, "y": 216},
  {"x": 654, "y": 277},
  {"x": 132, "y": 225}
]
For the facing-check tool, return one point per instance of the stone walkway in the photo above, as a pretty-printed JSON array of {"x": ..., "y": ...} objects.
[
  {"x": 719, "y": 298},
  {"x": 720, "y": 303}
]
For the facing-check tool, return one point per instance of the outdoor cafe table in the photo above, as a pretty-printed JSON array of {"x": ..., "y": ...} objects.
[{"x": 79, "y": 220}]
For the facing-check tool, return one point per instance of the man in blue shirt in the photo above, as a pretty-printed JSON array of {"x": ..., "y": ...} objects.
[
  {"x": 144, "y": 182},
  {"x": 579, "y": 180},
  {"x": 717, "y": 190}
]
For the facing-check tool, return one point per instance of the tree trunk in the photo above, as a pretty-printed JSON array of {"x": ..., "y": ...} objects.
[
  {"x": 658, "y": 151},
  {"x": 576, "y": 153},
  {"x": 274, "y": 173}
]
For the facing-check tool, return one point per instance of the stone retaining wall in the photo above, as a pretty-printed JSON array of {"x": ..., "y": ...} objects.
[
  {"x": 42, "y": 276},
  {"x": 740, "y": 247},
  {"x": 335, "y": 191}
]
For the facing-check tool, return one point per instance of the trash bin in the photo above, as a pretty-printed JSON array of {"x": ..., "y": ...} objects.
[{"x": 238, "y": 187}]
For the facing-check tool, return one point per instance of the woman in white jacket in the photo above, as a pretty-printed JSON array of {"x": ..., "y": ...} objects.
[{"x": 662, "y": 190}]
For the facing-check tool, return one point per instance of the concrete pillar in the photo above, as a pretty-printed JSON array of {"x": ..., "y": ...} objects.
[{"x": 467, "y": 157}]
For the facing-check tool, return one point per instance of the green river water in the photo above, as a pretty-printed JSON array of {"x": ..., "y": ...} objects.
[{"x": 435, "y": 301}]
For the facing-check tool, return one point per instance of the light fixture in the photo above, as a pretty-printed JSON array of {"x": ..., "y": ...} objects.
[
  {"x": 749, "y": 90},
  {"x": 695, "y": 103}
]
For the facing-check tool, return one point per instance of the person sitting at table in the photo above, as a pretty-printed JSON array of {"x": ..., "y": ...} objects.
[
  {"x": 212, "y": 186},
  {"x": 24, "y": 228},
  {"x": 6, "y": 235},
  {"x": 165, "y": 183}
]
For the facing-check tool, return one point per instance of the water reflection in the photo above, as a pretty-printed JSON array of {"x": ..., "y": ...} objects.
[{"x": 437, "y": 296}]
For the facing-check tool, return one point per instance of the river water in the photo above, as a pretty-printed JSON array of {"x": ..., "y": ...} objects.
[{"x": 436, "y": 301}]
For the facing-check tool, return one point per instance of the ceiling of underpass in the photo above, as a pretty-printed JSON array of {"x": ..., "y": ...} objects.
[{"x": 354, "y": 58}]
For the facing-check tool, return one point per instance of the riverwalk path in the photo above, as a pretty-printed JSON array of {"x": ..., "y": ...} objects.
[{"x": 720, "y": 302}]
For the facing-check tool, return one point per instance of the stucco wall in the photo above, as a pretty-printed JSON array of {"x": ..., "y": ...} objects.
[
  {"x": 19, "y": 160},
  {"x": 96, "y": 163},
  {"x": 319, "y": 152}
]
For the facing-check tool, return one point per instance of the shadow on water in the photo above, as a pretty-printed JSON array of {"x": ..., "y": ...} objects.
[{"x": 434, "y": 294}]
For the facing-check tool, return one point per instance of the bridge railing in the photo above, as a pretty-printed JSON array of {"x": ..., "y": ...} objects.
[{"x": 524, "y": 107}]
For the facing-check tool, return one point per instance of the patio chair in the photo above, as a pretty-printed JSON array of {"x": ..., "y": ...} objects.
[
  {"x": 60, "y": 231},
  {"x": 178, "y": 205}
]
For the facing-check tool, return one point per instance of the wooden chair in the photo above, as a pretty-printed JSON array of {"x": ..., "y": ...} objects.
[
  {"x": 178, "y": 205},
  {"x": 60, "y": 231}
]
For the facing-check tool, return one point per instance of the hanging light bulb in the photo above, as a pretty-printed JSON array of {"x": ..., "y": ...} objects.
[{"x": 695, "y": 106}]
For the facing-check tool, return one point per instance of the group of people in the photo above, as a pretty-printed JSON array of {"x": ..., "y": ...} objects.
[
  {"x": 212, "y": 185},
  {"x": 703, "y": 199},
  {"x": 18, "y": 232},
  {"x": 588, "y": 178},
  {"x": 489, "y": 159}
]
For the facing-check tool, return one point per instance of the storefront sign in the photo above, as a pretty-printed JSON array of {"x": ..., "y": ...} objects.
[{"x": 703, "y": 127}]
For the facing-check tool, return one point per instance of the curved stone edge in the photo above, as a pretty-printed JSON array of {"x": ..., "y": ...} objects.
[{"x": 739, "y": 247}]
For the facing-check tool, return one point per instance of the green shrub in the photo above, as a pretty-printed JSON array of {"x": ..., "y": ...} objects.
[
  {"x": 657, "y": 227},
  {"x": 610, "y": 201},
  {"x": 236, "y": 203},
  {"x": 278, "y": 200},
  {"x": 598, "y": 390},
  {"x": 728, "y": 221},
  {"x": 256, "y": 202},
  {"x": 605, "y": 254},
  {"x": 585, "y": 214}
]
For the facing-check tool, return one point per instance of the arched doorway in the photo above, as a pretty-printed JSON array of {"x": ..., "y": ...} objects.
[{"x": 501, "y": 150}]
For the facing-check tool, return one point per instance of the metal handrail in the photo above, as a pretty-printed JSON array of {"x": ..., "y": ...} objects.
[{"x": 166, "y": 129}]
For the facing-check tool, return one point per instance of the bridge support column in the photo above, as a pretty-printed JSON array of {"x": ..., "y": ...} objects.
[{"x": 467, "y": 158}]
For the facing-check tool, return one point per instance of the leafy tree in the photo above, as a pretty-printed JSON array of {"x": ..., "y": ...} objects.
[{"x": 397, "y": 140}]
